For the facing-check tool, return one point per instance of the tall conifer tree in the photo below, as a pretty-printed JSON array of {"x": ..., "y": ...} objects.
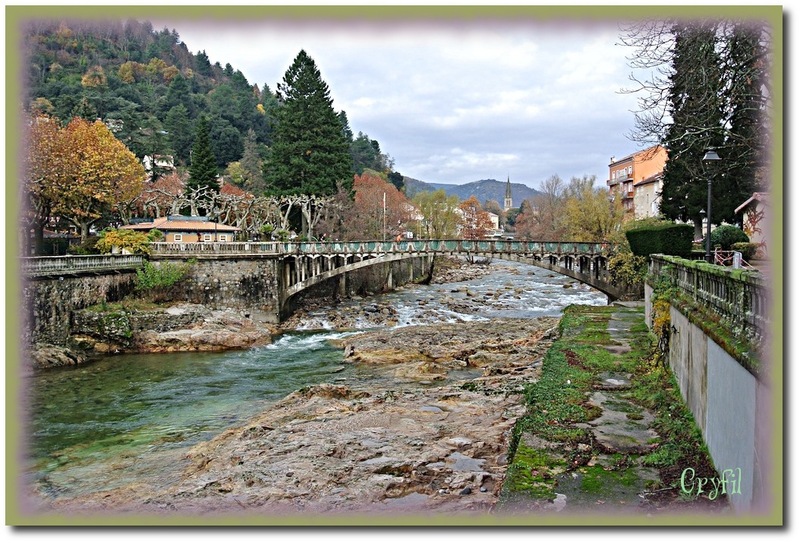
[
  {"x": 203, "y": 169},
  {"x": 695, "y": 108},
  {"x": 309, "y": 153}
]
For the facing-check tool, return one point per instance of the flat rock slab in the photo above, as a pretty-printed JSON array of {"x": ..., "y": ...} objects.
[{"x": 623, "y": 426}]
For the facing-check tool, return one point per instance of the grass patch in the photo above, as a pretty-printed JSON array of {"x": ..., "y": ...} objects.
[
  {"x": 533, "y": 473},
  {"x": 558, "y": 401}
]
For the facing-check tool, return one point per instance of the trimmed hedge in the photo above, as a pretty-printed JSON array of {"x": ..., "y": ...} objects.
[
  {"x": 665, "y": 239},
  {"x": 726, "y": 235}
]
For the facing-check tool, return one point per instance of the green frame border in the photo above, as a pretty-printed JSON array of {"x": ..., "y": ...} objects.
[{"x": 17, "y": 14}]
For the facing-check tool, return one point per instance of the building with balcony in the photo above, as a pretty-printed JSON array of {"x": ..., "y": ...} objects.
[{"x": 641, "y": 173}]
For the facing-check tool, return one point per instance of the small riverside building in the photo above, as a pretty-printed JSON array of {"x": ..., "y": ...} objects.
[{"x": 188, "y": 229}]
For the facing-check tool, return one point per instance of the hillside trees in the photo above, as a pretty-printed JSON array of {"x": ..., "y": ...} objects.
[
  {"x": 367, "y": 155},
  {"x": 151, "y": 92},
  {"x": 203, "y": 170}
]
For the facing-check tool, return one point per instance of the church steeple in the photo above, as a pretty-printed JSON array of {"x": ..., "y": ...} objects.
[{"x": 508, "y": 204}]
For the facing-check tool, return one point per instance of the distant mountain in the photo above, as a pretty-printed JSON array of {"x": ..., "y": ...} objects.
[{"x": 483, "y": 190}]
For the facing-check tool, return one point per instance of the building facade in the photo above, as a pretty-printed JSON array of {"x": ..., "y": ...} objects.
[
  {"x": 184, "y": 229},
  {"x": 637, "y": 180}
]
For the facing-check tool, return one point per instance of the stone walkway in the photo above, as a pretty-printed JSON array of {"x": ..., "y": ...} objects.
[{"x": 612, "y": 479}]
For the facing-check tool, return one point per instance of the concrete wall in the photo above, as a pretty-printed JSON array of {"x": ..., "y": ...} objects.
[
  {"x": 730, "y": 407},
  {"x": 253, "y": 285}
]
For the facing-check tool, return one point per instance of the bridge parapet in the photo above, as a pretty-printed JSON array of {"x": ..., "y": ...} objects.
[
  {"x": 51, "y": 266},
  {"x": 739, "y": 297},
  {"x": 275, "y": 248}
]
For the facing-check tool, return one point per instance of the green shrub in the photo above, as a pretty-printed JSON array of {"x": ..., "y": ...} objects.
[
  {"x": 87, "y": 247},
  {"x": 748, "y": 250},
  {"x": 627, "y": 269},
  {"x": 726, "y": 235},
  {"x": 666, "y": 239},
  {"x": 155, "y": 235},
  {"x": 154, "y": 280}
]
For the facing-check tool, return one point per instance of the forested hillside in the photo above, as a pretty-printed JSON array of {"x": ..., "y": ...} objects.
[{"x": 150, "y": 90}]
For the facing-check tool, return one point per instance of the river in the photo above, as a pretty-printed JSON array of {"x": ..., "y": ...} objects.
[{"x": 130, "y": 418}]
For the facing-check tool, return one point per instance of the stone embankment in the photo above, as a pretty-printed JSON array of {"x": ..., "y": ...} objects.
[
  {"x": 182, "y": 327},
  {"x": 130, "y": 326}
]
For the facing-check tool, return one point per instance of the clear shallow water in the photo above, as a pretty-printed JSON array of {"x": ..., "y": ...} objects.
[{"x": 131, "y": 418}]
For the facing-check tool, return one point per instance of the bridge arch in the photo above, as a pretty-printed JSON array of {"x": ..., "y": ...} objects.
[{"x": 305, "y": 264}]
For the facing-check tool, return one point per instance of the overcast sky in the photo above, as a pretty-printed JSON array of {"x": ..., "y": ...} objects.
[{"x": 453, "y": 101}]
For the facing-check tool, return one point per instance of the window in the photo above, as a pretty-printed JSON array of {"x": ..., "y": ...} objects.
[
  {"x": 206, "y": 237},
  {"x": 177, "y": 237},
  {"x": 223, "y": 237}
]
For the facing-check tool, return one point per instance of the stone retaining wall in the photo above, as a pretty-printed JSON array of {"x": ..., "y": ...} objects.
[
  {"x": 48, "y": 305},
  {"x": 731, "y": 406}
]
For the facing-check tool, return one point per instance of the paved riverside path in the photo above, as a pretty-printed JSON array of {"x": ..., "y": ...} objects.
[{"x": 600, "y": 472}]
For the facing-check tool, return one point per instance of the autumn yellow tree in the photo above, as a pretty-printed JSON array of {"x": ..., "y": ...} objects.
[
  {"x": 591, "y": 215},
  {"x": 440, "y": 218},
  {"x": 476, "y": 223},
  {"x": 101, "y": 173}
]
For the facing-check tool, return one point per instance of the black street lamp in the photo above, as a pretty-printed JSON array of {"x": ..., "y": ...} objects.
[{"x": 710, "y": 157}]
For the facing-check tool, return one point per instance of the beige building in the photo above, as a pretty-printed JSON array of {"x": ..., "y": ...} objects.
[
  {"x": 183, "y": 229},
  {"x": 755, "y": 218},
  {"x": 638, "y": 172},
  {"x": 647, "y": 196}
]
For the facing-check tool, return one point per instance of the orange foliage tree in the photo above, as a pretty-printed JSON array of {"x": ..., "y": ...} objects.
[
  {"x": 371, "y": 217},
  {"x": 47, "y": 165},
  {"x": 101, "y": 172},
  {"x": 476, "y": 223}
]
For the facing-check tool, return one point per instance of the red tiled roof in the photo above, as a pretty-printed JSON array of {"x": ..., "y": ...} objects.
[{"x": 165, "y": 224}]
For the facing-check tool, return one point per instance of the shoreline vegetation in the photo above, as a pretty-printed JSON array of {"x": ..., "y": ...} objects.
[{"x": 496, "y": 417}]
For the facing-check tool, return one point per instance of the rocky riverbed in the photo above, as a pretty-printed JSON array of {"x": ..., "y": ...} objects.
[
  {"x": 427, "y": 434},
  {"x": 427, "y": 444}
]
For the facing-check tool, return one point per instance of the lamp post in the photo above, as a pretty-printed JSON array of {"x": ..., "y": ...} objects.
[{"x": 710, "y": 157}]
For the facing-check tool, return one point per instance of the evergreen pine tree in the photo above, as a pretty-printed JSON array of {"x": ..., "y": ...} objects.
[
  {"x": 178, "y": 127},
  {"x": 203, "y": 169},
  {"x": 695, "y": 108},
  {"x": 251, "y": 163},
  {"x": 747, "y": 137},
  {"x": 309, "y": 153}
]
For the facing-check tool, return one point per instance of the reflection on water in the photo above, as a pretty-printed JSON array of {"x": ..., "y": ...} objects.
[{"x": 130, "y": 418}]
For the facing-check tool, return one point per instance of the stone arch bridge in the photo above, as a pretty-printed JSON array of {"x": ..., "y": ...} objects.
[{"x": 304, "y": 264}]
